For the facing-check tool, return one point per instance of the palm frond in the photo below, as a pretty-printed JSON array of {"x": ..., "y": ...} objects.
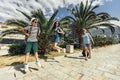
[
  {"x": 11, "y": 31},
  {"x": 25, "y": 14},
  {"x": 51, "y": 20},
  {"x": 17, "y": 22}
]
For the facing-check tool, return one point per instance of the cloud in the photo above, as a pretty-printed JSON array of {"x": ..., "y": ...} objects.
[
  {"x": 100, "y": 2},
  {"x": 8, "y": 7}
]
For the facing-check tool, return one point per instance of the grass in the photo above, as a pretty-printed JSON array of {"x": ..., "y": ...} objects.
[{"x": 8, "y": 60}]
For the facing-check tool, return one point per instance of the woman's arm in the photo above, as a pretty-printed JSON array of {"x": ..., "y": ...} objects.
[{"x": 60, "y": 31}]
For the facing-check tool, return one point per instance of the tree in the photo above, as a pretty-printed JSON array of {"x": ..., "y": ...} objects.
[
  {"x": 86, "y": 17},
  {"x": 44, "y": 24}
]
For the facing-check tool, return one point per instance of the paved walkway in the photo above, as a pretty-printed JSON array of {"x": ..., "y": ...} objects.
[{"x": 104, "y": 65}]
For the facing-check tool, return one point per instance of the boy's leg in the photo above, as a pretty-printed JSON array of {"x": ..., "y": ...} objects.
[
  {"x": 27, "y": 51},
  {"x": 35, "y": 49},
  {"x": 27, "y": 57}
]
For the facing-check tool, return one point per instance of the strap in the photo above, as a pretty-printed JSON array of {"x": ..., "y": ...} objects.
[
  {"x": 30, "y": 30},
  {"x": 38, "y": 31}
]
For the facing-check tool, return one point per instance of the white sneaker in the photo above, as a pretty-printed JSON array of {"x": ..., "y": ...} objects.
[
  {"x": 38, "y": 63},
  {"x": 26, "y": 67}
]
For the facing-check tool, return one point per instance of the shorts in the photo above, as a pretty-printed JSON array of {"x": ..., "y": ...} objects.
[
  {"x": 56, "y": 39},
  {"x": 31, "y": 46},
  {"x": 87, "y": 44}
]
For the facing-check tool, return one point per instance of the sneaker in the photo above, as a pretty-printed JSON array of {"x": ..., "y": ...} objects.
[
  {"x": 26, "y": 67},
  {"x": 38, "y": 63}
]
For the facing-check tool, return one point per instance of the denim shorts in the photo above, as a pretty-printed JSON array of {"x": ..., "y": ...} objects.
[
  {"x": 31, "y": 46},
  {"x": 87, "y": 45},
  {"x": 56, "y": 38}
]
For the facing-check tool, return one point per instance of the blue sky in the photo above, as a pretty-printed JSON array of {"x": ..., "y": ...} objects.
[{"x": 112, "y": 7}]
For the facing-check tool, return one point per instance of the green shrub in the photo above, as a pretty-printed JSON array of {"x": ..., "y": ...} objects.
[
  {"x": 102, "y": 41},
  {"x": 69, "y": 40},
  {"x": 16, "y": 49}
]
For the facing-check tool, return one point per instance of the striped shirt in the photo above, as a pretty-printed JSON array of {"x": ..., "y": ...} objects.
[{"x": 34, "y": 33}]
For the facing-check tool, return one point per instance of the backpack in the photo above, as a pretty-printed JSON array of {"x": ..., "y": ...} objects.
[{"x": 29, "y": 32}]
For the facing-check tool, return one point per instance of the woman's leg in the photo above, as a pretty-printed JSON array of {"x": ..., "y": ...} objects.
[{"x": 56, "y": 47}]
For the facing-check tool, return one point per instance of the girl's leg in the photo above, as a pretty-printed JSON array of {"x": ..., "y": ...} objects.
[
  {"x": 86, "y": 50},
  {"x": 89, "y": 50}
]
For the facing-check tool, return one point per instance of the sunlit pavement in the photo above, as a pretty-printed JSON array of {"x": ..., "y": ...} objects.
[{"x": 104, "y": 65}]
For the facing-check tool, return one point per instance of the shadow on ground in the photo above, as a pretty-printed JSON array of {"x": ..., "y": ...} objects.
[
  {"x": 46, "y": 59},
  {"x": 18, "y": 66},
  {"x": 80, "y": 57}
]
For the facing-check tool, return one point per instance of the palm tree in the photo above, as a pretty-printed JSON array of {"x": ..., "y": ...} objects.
[
  {"x": 86, "y": 17},
  {"x": 44, "y": 24}
]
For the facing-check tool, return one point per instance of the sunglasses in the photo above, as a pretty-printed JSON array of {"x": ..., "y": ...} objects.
[{"x": 35, "y": 22}]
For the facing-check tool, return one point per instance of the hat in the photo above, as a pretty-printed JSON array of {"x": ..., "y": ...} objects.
[{"x": 32, "y": 19}]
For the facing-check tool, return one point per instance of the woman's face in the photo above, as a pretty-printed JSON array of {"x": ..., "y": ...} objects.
[
  {"x": 57, "y": 24},
  {"x": 35, "y": 23}
]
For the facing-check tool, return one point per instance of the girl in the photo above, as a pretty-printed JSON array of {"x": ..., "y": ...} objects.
[{"x": 87, "y": 38}]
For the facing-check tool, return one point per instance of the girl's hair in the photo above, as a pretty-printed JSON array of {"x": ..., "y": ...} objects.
[{"x": 54, "y": 26}]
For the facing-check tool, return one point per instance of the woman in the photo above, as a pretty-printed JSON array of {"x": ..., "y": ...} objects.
[
  {"x": 57, "y": 32},
  {"x": 87, "y": 38},
  {"x": 31, "y": 33}
]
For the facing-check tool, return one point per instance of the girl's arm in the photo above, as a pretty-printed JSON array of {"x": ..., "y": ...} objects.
[{"x": 91, "y": 39}]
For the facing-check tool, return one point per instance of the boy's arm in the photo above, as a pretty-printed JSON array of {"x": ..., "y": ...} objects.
[
  {"x": 25, "y": 32},
  {"x": 39, "y": 31}
]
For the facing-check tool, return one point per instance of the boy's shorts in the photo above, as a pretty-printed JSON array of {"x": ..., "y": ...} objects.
[{"x": 31, "y": 46}]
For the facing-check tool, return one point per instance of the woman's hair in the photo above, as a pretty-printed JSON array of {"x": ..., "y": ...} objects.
[{"x": 54, "y": 26}]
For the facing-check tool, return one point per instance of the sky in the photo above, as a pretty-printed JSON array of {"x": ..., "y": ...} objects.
[
  {"x": 112, "y": 7},
  {"x": 49, "y": 6}
]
